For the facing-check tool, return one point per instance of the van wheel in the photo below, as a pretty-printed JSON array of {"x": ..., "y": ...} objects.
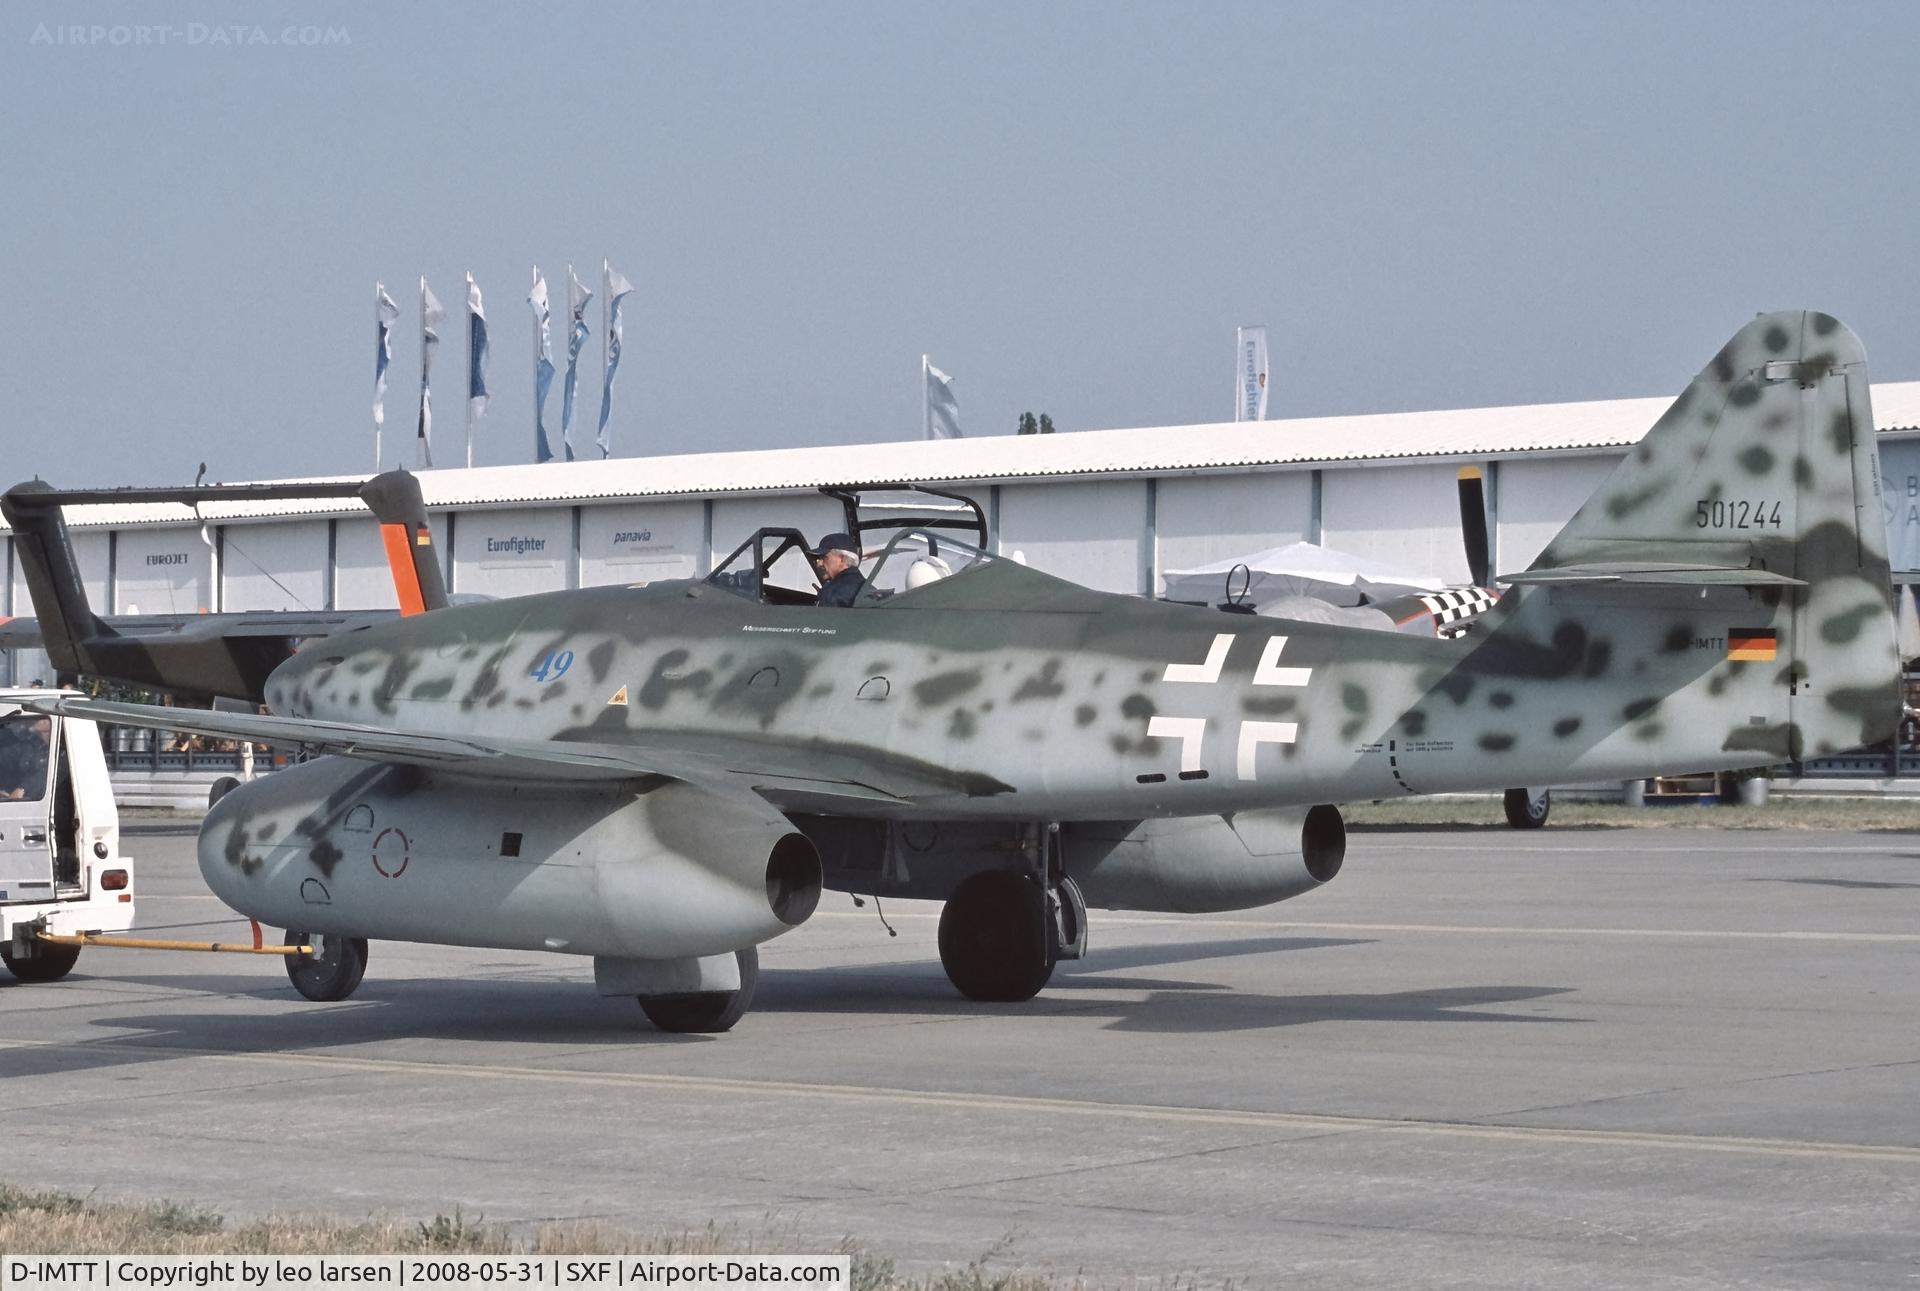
[
  {"x": 333, "y": 971},
  {"x": 52, "y": 963}
]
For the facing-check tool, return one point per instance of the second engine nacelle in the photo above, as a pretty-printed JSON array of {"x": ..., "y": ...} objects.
[
  {"x": 1202, "y": 864},
  {"x": 391, "y": 852}
]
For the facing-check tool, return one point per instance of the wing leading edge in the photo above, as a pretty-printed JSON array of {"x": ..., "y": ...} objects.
[{"x": 795, "y": 778}]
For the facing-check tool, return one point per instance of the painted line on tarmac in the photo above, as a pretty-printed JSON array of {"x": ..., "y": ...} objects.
[
  {"x": 1725, "y": 841},
  {"x": 1478, "y": 930},
  {"x": 1305, "y": 1123}
]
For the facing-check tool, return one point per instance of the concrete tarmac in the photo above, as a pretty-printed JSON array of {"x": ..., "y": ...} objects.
[{"x": 1477, "y": 1058}]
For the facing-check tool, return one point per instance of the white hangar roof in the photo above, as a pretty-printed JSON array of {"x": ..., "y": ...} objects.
[{"x": 1375, "y": 438}]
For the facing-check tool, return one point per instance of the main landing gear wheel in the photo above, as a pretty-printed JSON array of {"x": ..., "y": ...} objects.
[
  {"x": 333, "y": 971},
  {"x": 996, "y": 941},
  {"x": 50, "y": 965},
  {"x": 710, "y": 1010},
  {"x": 1527, "y": 809}
]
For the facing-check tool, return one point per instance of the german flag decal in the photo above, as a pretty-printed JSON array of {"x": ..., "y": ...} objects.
[{"x": 1759, "y": 644}]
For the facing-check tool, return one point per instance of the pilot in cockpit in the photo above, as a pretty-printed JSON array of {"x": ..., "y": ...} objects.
[{"x": 837, "y": 559}]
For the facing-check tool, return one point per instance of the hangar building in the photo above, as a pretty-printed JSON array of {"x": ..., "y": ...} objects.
[{"x": 1111, "y": 509}]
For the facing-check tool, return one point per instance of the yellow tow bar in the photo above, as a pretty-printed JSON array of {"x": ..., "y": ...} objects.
[{"x": 143, "y": 943}]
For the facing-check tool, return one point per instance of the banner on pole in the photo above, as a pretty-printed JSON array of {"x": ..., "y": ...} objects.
[
  {"x": 1250, "y": 375},
  {"x": 943, "y": 409},
  {"x": 617, "y": 288},
  {"x": 476, "y": 362},
  {"x": 431, "y": 316},
  {"x": 542, "y": 365},
  {"x": 578, "y": 298},
  {"x": 385, "y": 315}
]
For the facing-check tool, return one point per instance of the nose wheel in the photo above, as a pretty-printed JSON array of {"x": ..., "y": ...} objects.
[{"x": 334, "y": 969}]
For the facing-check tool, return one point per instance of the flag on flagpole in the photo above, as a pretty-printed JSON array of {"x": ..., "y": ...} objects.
[
  {"x": 476, "y": 362},
  {"x": 617, "y": 287},
  {"x": 431, "y": 316},
  {"x": 1250, "y": 374},
  {"x": 578, "y": 298},
  {"x": 542, "y": 365},
  {"x": 943, "y": 410},
  {"x": 385, "y": 315}
]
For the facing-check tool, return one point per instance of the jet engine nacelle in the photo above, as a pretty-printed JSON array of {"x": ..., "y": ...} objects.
[
  {"x": 1199, "y": 864},
  {"x": 373, "y": 850}
]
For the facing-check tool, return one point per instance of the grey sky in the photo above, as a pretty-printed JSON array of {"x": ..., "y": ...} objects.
[{"x": 1070, "y": 206}]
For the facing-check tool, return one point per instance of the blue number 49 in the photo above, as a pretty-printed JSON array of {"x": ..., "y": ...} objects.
[{"x": 552, "y": 665}]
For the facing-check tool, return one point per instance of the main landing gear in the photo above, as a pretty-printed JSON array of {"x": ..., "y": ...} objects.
[{"x": 1002, "y": 931}]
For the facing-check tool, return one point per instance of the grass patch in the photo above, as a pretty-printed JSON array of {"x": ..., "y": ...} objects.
[
  {"x": 59, "y": 1224},
  {"x": 1850, "y": 815}
]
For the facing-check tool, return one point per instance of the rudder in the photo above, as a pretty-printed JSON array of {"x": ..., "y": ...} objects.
[{"x": 1766, "y": 466}]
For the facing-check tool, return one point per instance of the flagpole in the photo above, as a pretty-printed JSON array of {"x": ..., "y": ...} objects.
[
  {"x": 606, "y": 334},
  {"x": 926, "y": 402},
  {"x": 422, "y": 443},
  {"x": 379, "y": 339},
  {"x": 539, "y": 401},
  {"x": 469, "y": 369}
]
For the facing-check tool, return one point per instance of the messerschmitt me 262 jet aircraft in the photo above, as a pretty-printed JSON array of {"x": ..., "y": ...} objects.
[{"x": 662, "y": 777}]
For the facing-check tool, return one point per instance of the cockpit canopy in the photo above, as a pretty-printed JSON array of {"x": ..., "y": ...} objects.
[{"x": 908, "y": 538}]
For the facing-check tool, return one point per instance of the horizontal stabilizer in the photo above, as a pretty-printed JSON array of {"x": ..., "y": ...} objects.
[{"x": 1668, "y": 575}]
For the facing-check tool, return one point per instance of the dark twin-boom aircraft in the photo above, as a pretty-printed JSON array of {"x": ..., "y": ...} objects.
[{"x": 662, "y": 777}]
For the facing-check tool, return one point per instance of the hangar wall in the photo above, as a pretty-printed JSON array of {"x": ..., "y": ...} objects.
[
  {"x": 1407, "y": 516},
  {"x": 1203, "y": 518},
  {"x": 642, "y": 542},
  {"x": 275, "y": 566},
  {"x": 1535, "y": 500}
]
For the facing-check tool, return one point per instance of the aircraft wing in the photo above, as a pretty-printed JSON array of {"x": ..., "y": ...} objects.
[
  {"x": 796, "y": 777},
  {"x": 25, "y": 633}
]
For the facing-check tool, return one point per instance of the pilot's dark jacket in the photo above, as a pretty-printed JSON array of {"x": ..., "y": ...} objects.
[{"x": 841, "y": 590}]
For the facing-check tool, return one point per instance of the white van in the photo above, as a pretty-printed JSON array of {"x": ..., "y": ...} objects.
[{"x": 61, "y": 871}]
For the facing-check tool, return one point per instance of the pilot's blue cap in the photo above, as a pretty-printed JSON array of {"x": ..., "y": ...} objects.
[{"x": 837, "y": 542}]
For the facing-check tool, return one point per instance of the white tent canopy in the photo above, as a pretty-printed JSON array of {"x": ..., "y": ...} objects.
[{"x": 1297, "y": 569}]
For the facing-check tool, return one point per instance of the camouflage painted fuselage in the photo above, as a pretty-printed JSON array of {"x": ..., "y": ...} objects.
[
  {"x": 1080, "y": 705},
  {"x": 1724, "y": 603}
]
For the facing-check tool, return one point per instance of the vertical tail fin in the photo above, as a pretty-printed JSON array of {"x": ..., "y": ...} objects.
[
  {"x": 67, "y": 622},
  {"x": 1766, "y": 466},
  {"x": 394, "y": 498}
]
